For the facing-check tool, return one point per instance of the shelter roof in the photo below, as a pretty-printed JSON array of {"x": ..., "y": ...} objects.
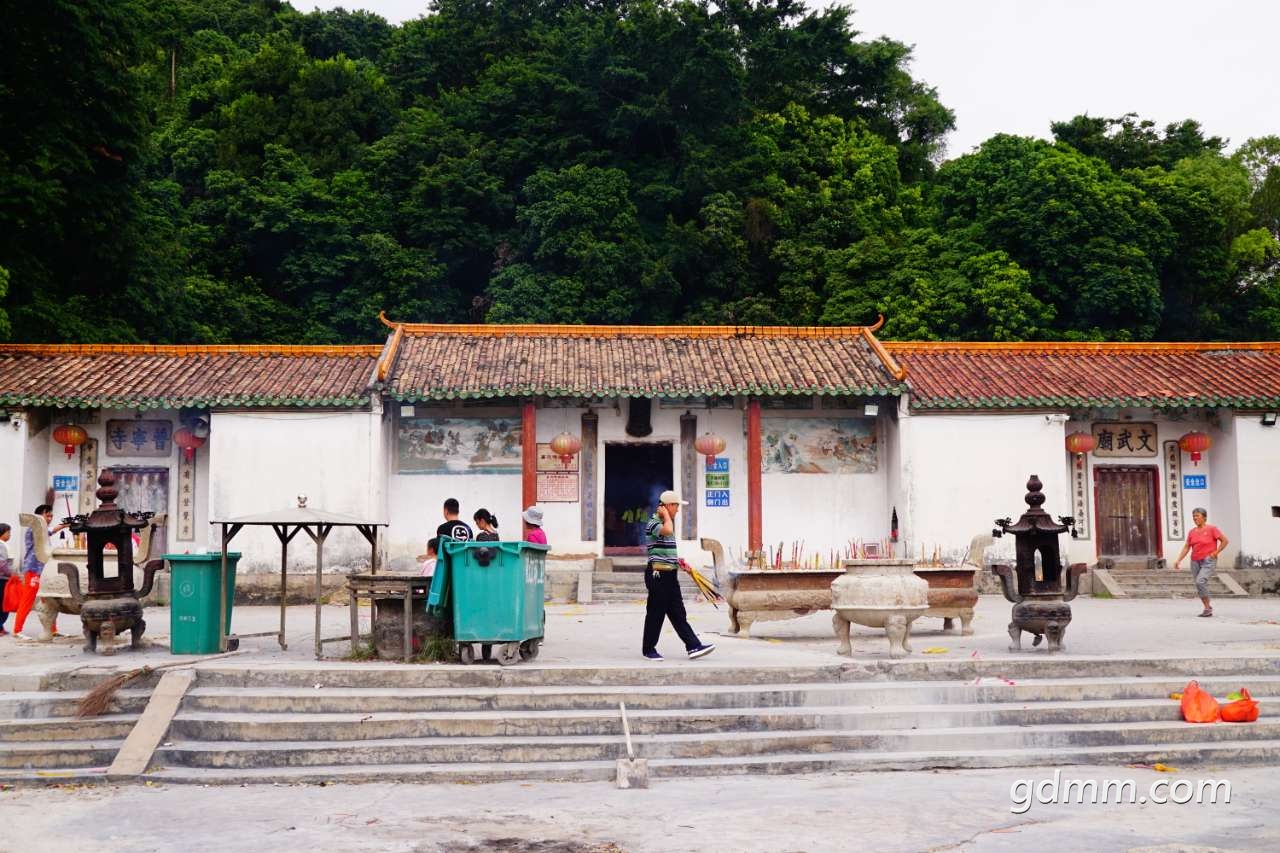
[
  {"x": 428, "y": 361},
  {"x": 948, "y": 375},
  {"x": 296, "y": 515},
  {"x": 147, "y": 376}
]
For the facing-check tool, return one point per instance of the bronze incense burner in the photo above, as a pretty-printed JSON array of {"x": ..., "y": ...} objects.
[
  {"x": 110, "y": 606},
  {"x": 1037, "y": 584}
]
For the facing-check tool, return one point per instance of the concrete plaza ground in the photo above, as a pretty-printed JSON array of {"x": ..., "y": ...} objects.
[
  {"x": 608, "y": 635},
  {"x": 961, "y": 810},
  {"x": 886, "y": 811}
]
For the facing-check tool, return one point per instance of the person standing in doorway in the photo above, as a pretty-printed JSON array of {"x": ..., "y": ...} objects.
[
  {"x": 660, "y": 579},
  {"x": 1205, "y": 542},
  {"x": 454, "y": 527}
]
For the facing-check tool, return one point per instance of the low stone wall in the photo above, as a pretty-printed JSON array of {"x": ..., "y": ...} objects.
[
  {"x": 566, "y": 576},
  {"x": 1258, "y": 581}
]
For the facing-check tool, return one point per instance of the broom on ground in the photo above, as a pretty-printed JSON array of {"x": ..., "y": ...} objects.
[{"x": 99, "y": 699}]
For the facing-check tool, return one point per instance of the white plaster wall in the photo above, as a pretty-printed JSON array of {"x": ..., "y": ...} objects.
[
  {"x": 35, "y": 466},
  {"x": 261, "y": 461},
  {"x": 825, "y": 511},
  {"x": 415, "y": 501},
  {"x": 1224, "y": 512},
  {"x": 1258, "y": 454},
  {"x": 1217, "y": 464},
  {"x": 967, "y": 470},
  {"x": 13, "y": 452}
]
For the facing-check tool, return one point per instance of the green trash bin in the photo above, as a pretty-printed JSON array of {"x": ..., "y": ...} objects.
[
  {"x": 496, "y": 593},
  {"x": 193, "y": 605}
]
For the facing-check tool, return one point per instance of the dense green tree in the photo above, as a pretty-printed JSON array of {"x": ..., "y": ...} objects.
[
  {"x": 1092, "y": 242},
  {"x": 234, "y": 170},
  {"x": 1129, "y": 142}
]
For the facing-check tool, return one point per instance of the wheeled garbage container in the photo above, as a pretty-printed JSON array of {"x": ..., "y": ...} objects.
[
  {"x": 495, "y": 592},
  {"x": 193, "y": 606}
]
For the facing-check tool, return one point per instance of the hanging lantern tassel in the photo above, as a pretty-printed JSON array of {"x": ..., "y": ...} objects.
[
  {"x": 566, "y": 446},
  {"x": 189, "y": 442},
  {"x": 709, "y": 445},
  {"x": 70, "y": 437},
  {"x": 1195, "y": 443}
]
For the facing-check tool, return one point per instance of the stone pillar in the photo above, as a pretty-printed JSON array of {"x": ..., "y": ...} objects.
[
  {"x": 755, "y": 463},
  {"x": 528, "y": 456}
]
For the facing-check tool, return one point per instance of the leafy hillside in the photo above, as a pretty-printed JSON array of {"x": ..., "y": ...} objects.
[{"x": 234, "y": 170}]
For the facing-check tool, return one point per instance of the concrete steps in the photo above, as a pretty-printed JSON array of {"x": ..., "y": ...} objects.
[
  {"x": 366, "y": 724},
  {"x": 628, "y": 586},
  {"x": 321, "y": 722},
  {"x": 1254, "y": 752},
  {"x": 1166, "y": 583},
  {"x": 38, "y": 755}
]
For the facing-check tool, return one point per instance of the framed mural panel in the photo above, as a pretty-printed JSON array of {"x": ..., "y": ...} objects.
[
  {"x": 819, "y": 445},
  {"x": 458, "y": 446}
]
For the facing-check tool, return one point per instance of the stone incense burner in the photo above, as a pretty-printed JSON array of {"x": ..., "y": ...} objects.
[
  {"x": 1039, "y": 591},
  {"x": 110, "y": 605}
]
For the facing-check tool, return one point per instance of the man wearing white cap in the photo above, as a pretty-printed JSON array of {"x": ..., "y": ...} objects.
[{"x": 660, "y": 578}]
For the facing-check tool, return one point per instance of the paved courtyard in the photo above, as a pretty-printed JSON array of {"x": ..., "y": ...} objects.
[
  {"x": 609, "y": 635},
  {"x": 917, "y": 811}
]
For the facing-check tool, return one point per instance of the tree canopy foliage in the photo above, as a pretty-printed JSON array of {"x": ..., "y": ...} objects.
[{"x": 235, "y": 170}]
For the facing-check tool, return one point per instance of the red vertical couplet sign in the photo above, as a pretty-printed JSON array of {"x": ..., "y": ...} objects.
[{"x": 755, "y": 460}]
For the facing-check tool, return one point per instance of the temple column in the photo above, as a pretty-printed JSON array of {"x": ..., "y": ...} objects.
[
  {"x": 755, "y": 460},
  {"x": 528, "y": 456}
]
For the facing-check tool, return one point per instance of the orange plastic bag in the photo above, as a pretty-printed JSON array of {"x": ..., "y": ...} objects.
[
  {"x": 12, "y": 594},
  {"x": 1243, "y": 710},
  {"x": 1198, "y": 706},
  {"x": 31, "y": 585}
]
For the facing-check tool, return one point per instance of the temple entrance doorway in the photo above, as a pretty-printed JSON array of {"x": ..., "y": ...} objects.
[{"x": 634, "y": 475}]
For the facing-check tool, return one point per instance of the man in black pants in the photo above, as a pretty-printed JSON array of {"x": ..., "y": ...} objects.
[{"x": 663, "y": 584}]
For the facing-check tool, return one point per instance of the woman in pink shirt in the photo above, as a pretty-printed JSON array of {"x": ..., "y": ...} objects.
[
  {"x": 1205, "y": 542},
  {"x": 533, "y": 518}
]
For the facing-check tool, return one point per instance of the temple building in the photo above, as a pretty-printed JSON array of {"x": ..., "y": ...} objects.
[{"x": 790, "y": 444}]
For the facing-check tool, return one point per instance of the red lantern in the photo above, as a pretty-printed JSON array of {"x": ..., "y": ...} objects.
[
  {"x": 566, "y": 446},
  {"x": 1081, "y": 443},
  {"x": 1195, "y": 443},
  {"x": 70, "y": 437},
  {"x": 709, "y": 444},
  {"x": 189, "y": 442}
]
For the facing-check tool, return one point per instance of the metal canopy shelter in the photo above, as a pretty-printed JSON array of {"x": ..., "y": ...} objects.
[{"x": 286, "y": 523}]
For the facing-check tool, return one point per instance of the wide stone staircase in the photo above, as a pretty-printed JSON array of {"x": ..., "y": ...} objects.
[
  {"x": 40, "y": 737},
  {"x": 1141, "y": 582},
  {"x": 381, "y": 723}
]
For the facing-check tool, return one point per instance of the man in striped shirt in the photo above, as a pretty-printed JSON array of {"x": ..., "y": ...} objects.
[{"x": 663, "y": 584}]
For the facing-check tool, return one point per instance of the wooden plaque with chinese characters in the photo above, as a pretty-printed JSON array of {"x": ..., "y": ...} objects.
[
  {"x": 139, "y": 438},
  {"x": 1125, "y": 440}
]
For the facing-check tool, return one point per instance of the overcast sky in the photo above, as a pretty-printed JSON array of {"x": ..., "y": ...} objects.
[{"x": 1013, "y": 66}]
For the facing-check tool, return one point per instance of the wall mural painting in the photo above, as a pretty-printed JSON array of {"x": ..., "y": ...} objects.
[
  {"x": 458, "y": 446},
  {"x": 819, "y": 445}
]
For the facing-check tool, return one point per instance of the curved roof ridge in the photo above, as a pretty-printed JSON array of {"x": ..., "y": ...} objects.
[
  {"x": 341, "y": 350},
  {"x": 534, "y": 330},
  {"x": 1078, "y": 346}
]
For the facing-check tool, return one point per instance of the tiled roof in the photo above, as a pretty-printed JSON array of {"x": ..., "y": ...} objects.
[
  {"x": 446, "y": 361},
  {"x": 153, "y": 376},
  {"x": 1037, "y": 375}
]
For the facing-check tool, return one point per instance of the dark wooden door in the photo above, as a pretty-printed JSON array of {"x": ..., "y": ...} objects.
[{"x": 1127, "y": 518}]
